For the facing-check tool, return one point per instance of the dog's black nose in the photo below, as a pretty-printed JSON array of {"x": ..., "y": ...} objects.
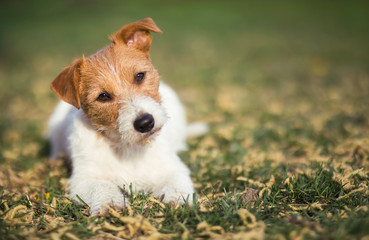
[{"x": 144, "y": 123}]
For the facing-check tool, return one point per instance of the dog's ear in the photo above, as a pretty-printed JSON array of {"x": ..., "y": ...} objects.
[
  {"x": 66, "y": 84},
  {"x": 137, "y": 34}
]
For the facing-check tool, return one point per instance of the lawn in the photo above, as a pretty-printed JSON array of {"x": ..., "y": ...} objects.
[{"x": 283, "y": 86}]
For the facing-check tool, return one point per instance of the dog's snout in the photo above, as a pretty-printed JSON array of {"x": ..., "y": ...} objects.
[{"x": 144, "y": 123}]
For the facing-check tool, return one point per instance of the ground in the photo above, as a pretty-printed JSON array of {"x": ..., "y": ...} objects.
[{"x": 284, "y": 87}]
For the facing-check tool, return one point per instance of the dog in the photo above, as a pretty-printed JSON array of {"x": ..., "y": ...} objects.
[{"x": 120, "y": 125}]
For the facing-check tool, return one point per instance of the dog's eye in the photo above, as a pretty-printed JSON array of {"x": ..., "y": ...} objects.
[
  {"x": 104, "y": 97},
  {"x": 139, "y": 77}
]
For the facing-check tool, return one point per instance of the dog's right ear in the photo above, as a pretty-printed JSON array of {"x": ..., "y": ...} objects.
[
  {"x": 137, "y": 34},
  {"x": 66, "y": 84}
]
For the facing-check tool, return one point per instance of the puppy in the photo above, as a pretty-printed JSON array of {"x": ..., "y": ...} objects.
[{"x": 119, "y": 125}]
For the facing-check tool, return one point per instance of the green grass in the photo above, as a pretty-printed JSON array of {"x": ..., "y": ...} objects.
[{"x": 284, "y": 87}]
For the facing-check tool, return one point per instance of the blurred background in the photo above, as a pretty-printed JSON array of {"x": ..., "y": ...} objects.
[{"x": 243, "y": 64}]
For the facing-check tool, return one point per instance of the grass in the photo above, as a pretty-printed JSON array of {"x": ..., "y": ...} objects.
[{"x": 283, "y": 86}]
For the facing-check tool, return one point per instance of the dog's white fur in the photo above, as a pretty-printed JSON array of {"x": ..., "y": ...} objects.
[{"x": 101, "y": 167}]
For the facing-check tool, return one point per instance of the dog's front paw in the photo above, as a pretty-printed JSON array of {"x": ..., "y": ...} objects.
[
  {"x": 98, "y": 195},
  {"x": 101, "y": 208},
  {"x": 175, "y": 196}
]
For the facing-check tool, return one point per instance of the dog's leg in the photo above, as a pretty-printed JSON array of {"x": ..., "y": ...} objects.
[
  {"x": 178, "y": 189},
  {"x": 97, "y": 194}
]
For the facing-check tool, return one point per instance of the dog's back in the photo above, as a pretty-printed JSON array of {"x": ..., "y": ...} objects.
[{"x": 59, "y": 129}]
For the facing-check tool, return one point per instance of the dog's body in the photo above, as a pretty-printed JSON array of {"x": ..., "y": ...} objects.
[{"x": 123, "y": 128}]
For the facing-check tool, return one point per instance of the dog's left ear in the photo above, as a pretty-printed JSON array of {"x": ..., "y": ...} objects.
[
  {"x": 137, "y": 34},
  {"x": 66, "y": 84}
]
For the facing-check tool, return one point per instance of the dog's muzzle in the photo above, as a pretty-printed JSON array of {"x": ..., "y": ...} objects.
[
  {"x": 140, "y": 119},
  {"x": 144, "y": 123}
]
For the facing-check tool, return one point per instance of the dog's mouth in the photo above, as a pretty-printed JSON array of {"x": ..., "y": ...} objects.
[
  {"x": 147, "y": 138},
  {"x": 152, "y": 134}
]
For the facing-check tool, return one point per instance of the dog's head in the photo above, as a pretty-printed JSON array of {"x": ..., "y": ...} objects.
[{"x": 117, "y": 87}]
